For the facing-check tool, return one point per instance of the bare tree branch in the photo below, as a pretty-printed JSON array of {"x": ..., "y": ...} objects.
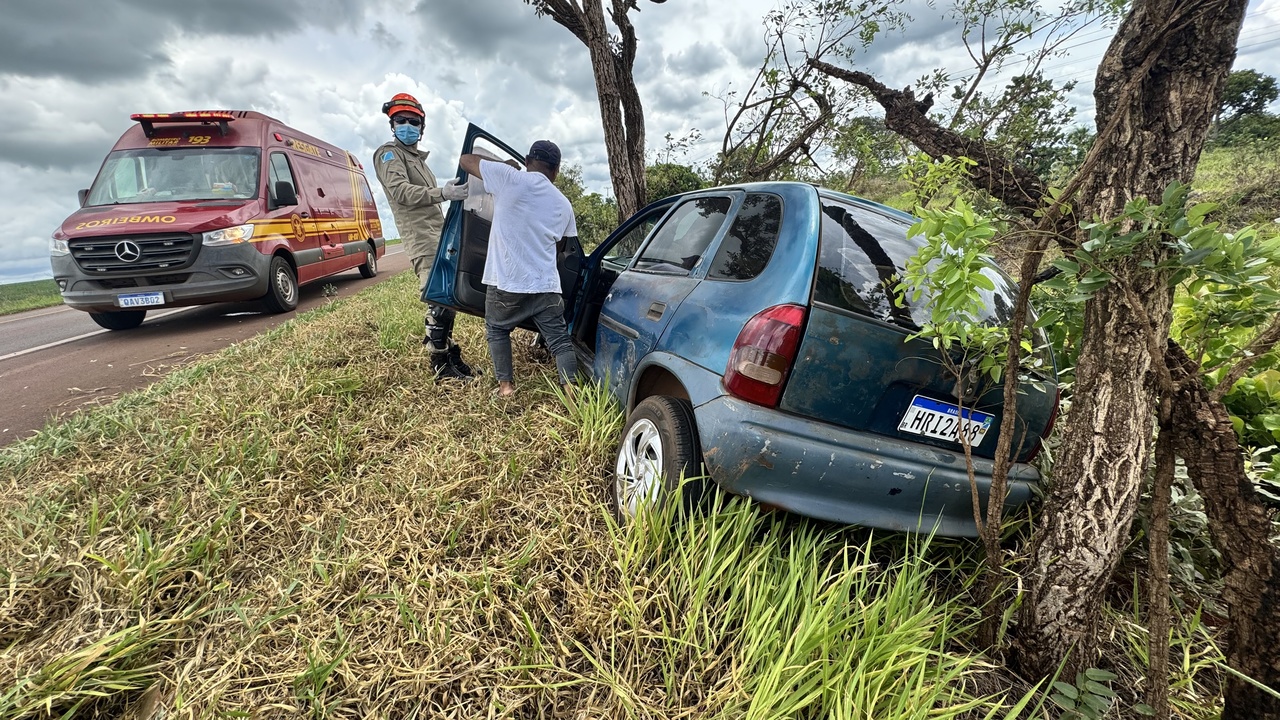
[{"x": 1014, "y": 185}]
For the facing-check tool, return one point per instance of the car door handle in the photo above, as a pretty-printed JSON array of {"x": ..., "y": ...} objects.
[
  {"x": 656, "y": 310},
  {"x": 305, "y": 214}
]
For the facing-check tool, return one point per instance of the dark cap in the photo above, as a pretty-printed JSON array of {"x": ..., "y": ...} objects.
[{"x": 546, "y": 151}]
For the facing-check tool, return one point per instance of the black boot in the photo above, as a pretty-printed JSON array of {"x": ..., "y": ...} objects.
[
  {"x": 455, "y": 359},
  {"x": 444, "y": 369}
]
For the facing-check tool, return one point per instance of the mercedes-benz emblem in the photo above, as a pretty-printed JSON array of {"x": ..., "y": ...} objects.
[{"x": 128, "y": 251}]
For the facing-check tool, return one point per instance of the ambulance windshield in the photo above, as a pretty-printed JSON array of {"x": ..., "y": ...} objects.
[{"x": 166, "y": 175}]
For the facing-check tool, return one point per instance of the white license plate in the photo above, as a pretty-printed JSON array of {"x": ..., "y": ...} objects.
[
  {"x": 140, "y": 299},
  {"x": 942, "y": 420}
]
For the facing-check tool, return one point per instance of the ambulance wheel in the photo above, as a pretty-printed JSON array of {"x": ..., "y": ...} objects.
[
  {"x": 123, "y": 320},
  {"x": 370, "y": 267},
  {"x": 282, "y": 289}
]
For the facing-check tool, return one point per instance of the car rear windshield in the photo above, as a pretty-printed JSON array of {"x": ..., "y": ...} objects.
[
  {"x": 162, "y": 175},
  {"x": 862, "y": 254}
]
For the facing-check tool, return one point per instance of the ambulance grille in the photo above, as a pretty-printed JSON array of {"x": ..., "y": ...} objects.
[{"x": 133, "y": 253}]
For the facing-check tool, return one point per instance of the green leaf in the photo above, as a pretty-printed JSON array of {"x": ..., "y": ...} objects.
[
  {"x": 1198, "y": 211},
  {"x": 1099, "y": 689},
  {"x": 1062, "y": 702},
  {"x": 1061, "y": 282},
  {"x": 1067, "y": 689},
  {"x": 1048, "y": 319},
  {"x": 1067, "y": 266},
  {"x": 1098, "y": 674},
  {"x": 1097, "y": 703},
  {"x": 1194, "y": 257}
]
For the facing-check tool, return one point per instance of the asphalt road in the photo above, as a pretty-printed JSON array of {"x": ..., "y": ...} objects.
[{"x": 56, "y": 360}]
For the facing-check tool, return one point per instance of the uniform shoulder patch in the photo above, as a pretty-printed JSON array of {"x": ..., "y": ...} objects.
[{"x": 386, "y": 156}]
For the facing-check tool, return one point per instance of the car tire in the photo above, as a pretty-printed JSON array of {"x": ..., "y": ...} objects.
[
  {"x": 370, "y": 267},
  {"x": 123, "y": 320},
  {"x": 659, "y": 446},
  {"x": 282, "y": 286}
]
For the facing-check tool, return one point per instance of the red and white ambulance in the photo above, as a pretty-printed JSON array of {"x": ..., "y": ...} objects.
[{"x": 213, "y": 206}]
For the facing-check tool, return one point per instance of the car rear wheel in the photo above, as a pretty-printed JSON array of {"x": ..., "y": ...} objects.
[
  {"x": 123, "y": 320},
  {"x": 659, "y": 447},
  {"x": 282, "y": 290},
  {"x": 370, "y": 267}
]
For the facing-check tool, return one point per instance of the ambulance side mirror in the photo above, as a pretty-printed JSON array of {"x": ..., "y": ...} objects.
[
  {"x": 284, "y": 195},
  {"x": 83, "y": 195}
]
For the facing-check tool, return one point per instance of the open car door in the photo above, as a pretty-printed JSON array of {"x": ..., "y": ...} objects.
[{"x": 464, "y": 242}]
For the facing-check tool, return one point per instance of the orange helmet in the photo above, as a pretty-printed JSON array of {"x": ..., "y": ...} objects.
[{"x": 403, "y": 102}]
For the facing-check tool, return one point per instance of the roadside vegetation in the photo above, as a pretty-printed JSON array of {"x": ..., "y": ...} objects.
[
  {"x": 306, "y": 525},
  {"x": 18, "y": 297}
]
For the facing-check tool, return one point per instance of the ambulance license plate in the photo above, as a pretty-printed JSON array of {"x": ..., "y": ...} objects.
[
  {"x": 941, "y": 420},
  {"x": 140, "y": 299}
]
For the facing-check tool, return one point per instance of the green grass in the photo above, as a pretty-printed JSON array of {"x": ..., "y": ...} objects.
[
  {"x": 1245, "y": 181},
  {"x": 306, "y": 525},
  {"x": 17, "y": 297}
]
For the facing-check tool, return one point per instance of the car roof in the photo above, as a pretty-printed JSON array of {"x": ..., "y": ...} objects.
[{"x": 775, "y": 185}]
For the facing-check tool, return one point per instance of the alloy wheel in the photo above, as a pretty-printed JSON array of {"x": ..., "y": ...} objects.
[{"x": 638, "y": 475}]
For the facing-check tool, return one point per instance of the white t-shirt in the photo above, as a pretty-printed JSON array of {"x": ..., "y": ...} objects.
[{"x": 530, "y": 215}]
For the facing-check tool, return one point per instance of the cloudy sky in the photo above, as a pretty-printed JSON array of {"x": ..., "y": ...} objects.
[{"x": 72, "y": 71}]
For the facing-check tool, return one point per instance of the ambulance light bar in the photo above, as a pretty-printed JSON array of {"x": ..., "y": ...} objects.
[{"x": 219, "y": 117}]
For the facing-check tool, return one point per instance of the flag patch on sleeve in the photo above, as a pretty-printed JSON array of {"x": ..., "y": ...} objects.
[{"x": 386, "y": 156}]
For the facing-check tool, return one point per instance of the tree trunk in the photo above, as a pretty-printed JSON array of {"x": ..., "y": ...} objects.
[
  {"x": 1158, "y": 565},
  {"x": 1085, "y": 526},
  {"x": 610, "y": 77},
  {"x": 1242, "y": 531},
  {"x": 621, "y": 112},
  {"x": 1157, "y": 89}
]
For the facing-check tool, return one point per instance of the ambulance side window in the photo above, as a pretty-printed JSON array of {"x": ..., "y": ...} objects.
[{"x": 279, "y": 172}]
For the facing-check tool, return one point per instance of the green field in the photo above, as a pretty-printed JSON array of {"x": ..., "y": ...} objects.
[
  {"x": 306, "y": 525},
  {"x": 16, "y": 297}
]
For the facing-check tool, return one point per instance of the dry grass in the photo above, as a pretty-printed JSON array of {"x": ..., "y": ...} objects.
[{"x": 306, "y": 525}]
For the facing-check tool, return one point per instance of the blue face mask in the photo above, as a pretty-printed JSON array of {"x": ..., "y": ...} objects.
[{"x": 408, "y": 134}]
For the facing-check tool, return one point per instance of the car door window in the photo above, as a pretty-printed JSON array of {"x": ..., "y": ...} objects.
[
  {"x": 678, "y": 246},
  {"x": 749, "y": 244},
  {"x": 621, "y": 252}
]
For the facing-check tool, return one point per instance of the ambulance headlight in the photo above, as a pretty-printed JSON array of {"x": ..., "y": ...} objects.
[
  {"x": 228, "y": 236},
  {"x": 58, "y": 244}
]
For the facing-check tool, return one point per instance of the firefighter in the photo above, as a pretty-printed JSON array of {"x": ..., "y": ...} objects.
[{"x": 415, "y": 202}]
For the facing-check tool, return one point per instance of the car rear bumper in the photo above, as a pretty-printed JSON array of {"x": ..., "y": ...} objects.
[
  {"x": 831, "y": 473},
  {"x": 218, "y": 274}
]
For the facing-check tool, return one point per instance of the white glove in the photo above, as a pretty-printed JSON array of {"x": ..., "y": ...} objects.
[{"x": 453, "y": 191}]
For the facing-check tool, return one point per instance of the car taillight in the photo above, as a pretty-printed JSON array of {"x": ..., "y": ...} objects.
[
  {"x": 763, "y": 355},
  {"x": 1053, "y": 414},
  {"x": 1048, "y": 427}
]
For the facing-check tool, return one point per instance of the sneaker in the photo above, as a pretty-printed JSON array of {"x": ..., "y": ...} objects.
[
  {"x": 444, "y": 369},
  {"x": 455, "y": 359}
]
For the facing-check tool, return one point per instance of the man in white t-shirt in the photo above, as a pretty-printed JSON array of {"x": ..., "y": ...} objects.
[{"x": 530, "y": 219}]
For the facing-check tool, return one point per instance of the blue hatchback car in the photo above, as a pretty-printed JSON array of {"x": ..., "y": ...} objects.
[{"x": 749, "y": 334}]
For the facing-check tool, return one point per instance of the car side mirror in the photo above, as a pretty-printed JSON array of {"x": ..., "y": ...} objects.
[
  {"x": 285, "y": 196},
  {"x": 83, "y": 194}
]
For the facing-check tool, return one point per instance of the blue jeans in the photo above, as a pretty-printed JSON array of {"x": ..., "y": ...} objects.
[{"x": 503, "y": 311}]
